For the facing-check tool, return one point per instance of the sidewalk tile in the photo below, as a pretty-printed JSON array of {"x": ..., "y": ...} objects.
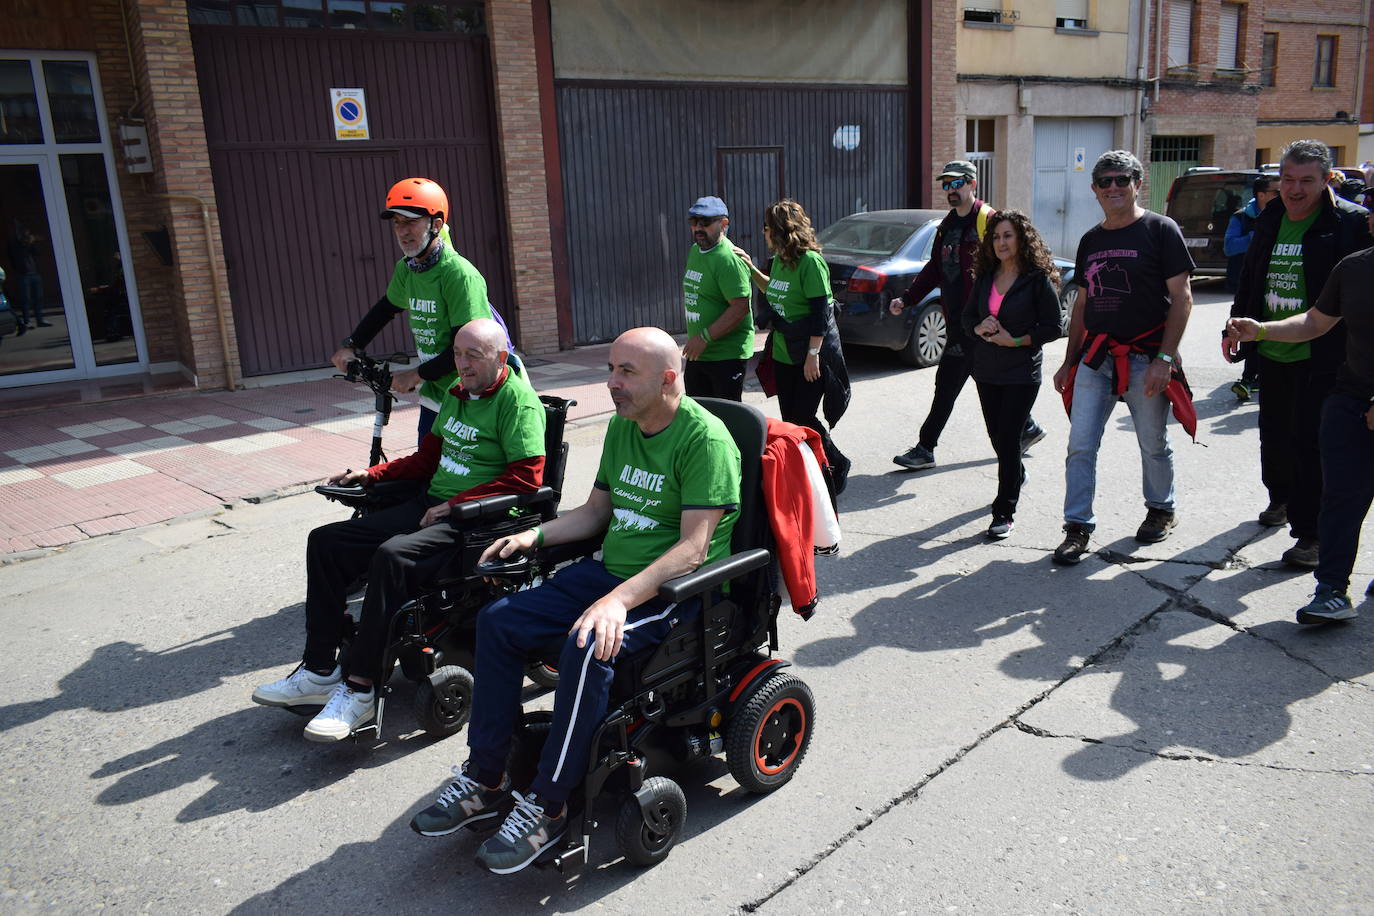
[{"x": 102, "y": 473}]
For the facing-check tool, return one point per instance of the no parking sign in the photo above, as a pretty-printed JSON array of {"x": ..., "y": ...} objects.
[{"x": 350, "y": 114}]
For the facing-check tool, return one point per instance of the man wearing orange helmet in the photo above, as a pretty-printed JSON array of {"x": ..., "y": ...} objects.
[{"x": 438, "y": 288}]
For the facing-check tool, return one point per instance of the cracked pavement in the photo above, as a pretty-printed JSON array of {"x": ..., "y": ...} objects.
[{"x": 1146, "y": 732}]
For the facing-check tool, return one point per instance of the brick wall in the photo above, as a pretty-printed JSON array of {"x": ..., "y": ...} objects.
[
  {"x": 1298, "y": 24},
  {"x": 510, "y": 24},
  {"x": 946, "y": 144},
  {"x": 166, "y": 80}
]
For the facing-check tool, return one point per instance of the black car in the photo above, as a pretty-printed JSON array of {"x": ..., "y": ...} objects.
[
  {"x": 1202, "y": 201},
  {"x": 873, "y": 258}
]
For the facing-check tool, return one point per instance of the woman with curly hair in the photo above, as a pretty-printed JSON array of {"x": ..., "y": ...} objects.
[
  {"x": 1012, "y": 312},
  {"x": 805, "y": 342}
]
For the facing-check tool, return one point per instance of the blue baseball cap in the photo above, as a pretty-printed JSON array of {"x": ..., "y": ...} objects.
[{"x": 709, "y": 207}]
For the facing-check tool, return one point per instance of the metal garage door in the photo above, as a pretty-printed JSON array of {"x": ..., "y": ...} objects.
[{"x": 1064, "y": 205}]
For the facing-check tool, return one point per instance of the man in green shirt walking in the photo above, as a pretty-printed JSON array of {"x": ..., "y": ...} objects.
[
  {"x": 715, "y": 293},
  {"x": 488, "y": 439}
]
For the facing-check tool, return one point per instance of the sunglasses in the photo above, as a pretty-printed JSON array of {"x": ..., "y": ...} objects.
[
  {"x": 702, "y": 221},
  {"x": 1106, "y": 181},
  {"x": 953, "y": 185}
]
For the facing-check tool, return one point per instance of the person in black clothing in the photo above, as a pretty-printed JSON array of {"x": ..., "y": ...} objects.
[
  {"x": 951, "y": 269},
  {"x": 1013, "y": 312},
  {"x": 1239, "y": 232},
  {"x": 1296, "y": 245}
]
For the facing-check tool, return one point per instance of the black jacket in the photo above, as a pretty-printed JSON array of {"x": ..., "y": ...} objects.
[
  {"x": 1341, "y": 228},
  {"x": 1029, "y": 307}
]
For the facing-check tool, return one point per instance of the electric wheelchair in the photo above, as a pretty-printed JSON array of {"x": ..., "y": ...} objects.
[
  {"x": 712, "y": 685},
  {"x": 431, "y": 636}
]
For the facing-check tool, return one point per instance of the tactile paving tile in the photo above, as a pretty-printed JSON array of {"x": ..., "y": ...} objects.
[
  {"x": 256, "y": 442},
  {"x": 108, "y": 472}
]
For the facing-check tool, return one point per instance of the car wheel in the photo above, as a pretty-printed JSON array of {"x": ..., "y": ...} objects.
[
  {"x": 928, "y": 338},
  {"x": 1066, "y": 297}
]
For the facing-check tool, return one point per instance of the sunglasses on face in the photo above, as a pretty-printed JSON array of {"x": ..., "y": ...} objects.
[
  {"x": 954, "y": 184},
  {"x": 702, "y": 221},
  {"x": 1106, "y": 181}
]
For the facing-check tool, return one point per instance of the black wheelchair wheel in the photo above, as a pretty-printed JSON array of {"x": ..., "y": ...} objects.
[
  {"x": 444, "y": 709},
  {"x": 646, "y": 835},
  {"x": 543, "y": 675},
  {"x": 768, "y": 735}
]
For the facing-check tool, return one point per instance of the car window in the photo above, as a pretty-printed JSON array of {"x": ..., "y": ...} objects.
[
  {"x": 865, "y": 237},
  {"x": 1205, "y": 202}
]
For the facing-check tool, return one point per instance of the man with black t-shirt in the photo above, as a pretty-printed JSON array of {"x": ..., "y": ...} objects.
[{"x": 1128, "y": 318}]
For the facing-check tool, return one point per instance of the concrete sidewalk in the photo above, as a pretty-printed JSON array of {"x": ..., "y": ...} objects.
[{"x": 69, "y": 473}]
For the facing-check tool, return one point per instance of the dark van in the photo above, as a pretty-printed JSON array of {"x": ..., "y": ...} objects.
[{"x": 1202, "y": 202}]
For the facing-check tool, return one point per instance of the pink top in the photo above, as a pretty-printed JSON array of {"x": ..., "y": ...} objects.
[{"x": 994, "y": 300}]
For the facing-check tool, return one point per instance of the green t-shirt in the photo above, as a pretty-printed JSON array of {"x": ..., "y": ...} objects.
[
  {"x": 692, "y": 464},
  {"x": 791, "y": 289},
  {"x": 1285, "y": 288},
  {"x": 438, "y": 302},
  {"x": 711, "y": 279},
  {"x": 483, "y": 435}
]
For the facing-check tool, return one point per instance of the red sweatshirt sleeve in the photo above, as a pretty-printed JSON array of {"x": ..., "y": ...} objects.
[
  {"x": 523, "y": 476},
  {"x": 423, "y": 462}
]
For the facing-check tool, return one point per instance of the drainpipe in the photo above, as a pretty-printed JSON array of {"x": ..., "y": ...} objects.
[
  {"x": 1360, "y": 69},
  {"x": 1142, "y": 70},
  {"x": 1159, "y": 60},
  {"x": 230, "y": 381}
]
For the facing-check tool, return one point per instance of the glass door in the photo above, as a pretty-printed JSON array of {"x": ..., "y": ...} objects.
[{"x": 72, "y": 310}]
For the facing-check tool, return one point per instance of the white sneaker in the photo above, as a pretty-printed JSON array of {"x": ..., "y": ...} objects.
[
  {"x": 345, "y": 711},
  {"x": 299, "y": 688}
]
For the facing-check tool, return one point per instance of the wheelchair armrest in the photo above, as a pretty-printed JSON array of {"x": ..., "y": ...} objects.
[
  {"x": 354, "y": 493},
  {"x": 488, "y": 506},
  {"x": 713, "y": 575},
  {"x": 573, "y": 550}
]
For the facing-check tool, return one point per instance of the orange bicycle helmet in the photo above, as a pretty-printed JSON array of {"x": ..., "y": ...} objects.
[{"x": 416, "y": 197}]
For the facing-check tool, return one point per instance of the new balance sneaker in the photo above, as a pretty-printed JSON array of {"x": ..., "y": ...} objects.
[
  {"x": 463, "y": 803},
  {"x": 1303, "y": 554},
  {"x": 1275, "y": 515},
  {"x": 527, "y": 832},
  {"x": 1031, "y": 436},
  {"x": 301, "y": 687},
  {"x": 343, "y": 714},
  {"x": 1000, "y": 528},
  {"x": 1327, "y": 605},
  {"x": 1070, "y": 551},
  {"x": 916, "y": 458},
  {"x": 1157, "y": 526}
]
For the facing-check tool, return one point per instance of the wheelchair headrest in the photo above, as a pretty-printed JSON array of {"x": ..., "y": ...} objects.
[
  {"x": 749, "y": 429},
  {"x": 555, "y": 455}
]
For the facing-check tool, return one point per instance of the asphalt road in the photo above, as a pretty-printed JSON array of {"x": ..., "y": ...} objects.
[{"x": 1146, "y": 732}]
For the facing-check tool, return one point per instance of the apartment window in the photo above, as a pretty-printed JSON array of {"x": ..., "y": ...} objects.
[
  {"x": 1269, "y": 60},
  {"x": 1180, "y": 33},
  {"x": 979, "y": 148},
  {"x": 1324, "y": 73},
  {"x": 1228, "y": 37},
  {"x": 1071, "y": 14},
  {"x": 989, "y": 12}
]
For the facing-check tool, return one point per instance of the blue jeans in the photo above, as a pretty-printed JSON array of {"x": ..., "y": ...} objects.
[
  {"x": 512, "y": 627},
  {"x": 1093, "y": 401},
  {"x": 1347, "y": 445}
]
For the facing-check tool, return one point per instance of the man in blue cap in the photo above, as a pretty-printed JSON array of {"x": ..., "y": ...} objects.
[{"x": 716, "y": 295}]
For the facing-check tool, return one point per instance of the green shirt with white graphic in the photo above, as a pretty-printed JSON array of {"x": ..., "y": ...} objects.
[
  {"x": 481, "y": 436},
  {"x": 691, "y": 464},
  {"x": 1285, "y": 288},
  {"x": 711, "y": 279},
  {"x": 437, "y": 303},
  {"x": 791, "y": 289}
]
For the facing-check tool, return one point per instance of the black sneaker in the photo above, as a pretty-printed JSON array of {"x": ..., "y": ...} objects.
[
  {"x": 1075, "y": 544},
  {"x": 1303, "y": 554},
  {"x": 1030, "y": 438},
  {"x": 1275, "y": 515},
  {"x": 1157, "y": 526},
  {"x": 916, "y": 458},
  {"x": 527, "y": 832},
  {"x": 1001, "y": 527},
  {"x": 1327, "y": 606},
  {"x": 463, "y": 803}
]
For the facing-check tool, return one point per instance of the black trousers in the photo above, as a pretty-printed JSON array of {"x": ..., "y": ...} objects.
[
  {"x": 799, "y": 402},
  {"x": 1347, "y": 446},
  {"x": 716, "y": 378},
  {"x": 1290, "y": 409},
  {"x": 1006, "y": 408},
  {"x": 951, "y": 374},
  {"x": 397, "y": 556}
]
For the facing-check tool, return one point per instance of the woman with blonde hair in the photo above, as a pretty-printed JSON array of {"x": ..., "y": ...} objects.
[
  {"x": 804, "y": 345},
  {"x": 1012, "y": 312}
]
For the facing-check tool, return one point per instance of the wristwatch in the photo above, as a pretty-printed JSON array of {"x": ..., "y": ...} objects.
[
  {"x": 813, "y": 351},
  {"x": 348, "y": 343},
  {"x": 1166, "y": 357}
]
